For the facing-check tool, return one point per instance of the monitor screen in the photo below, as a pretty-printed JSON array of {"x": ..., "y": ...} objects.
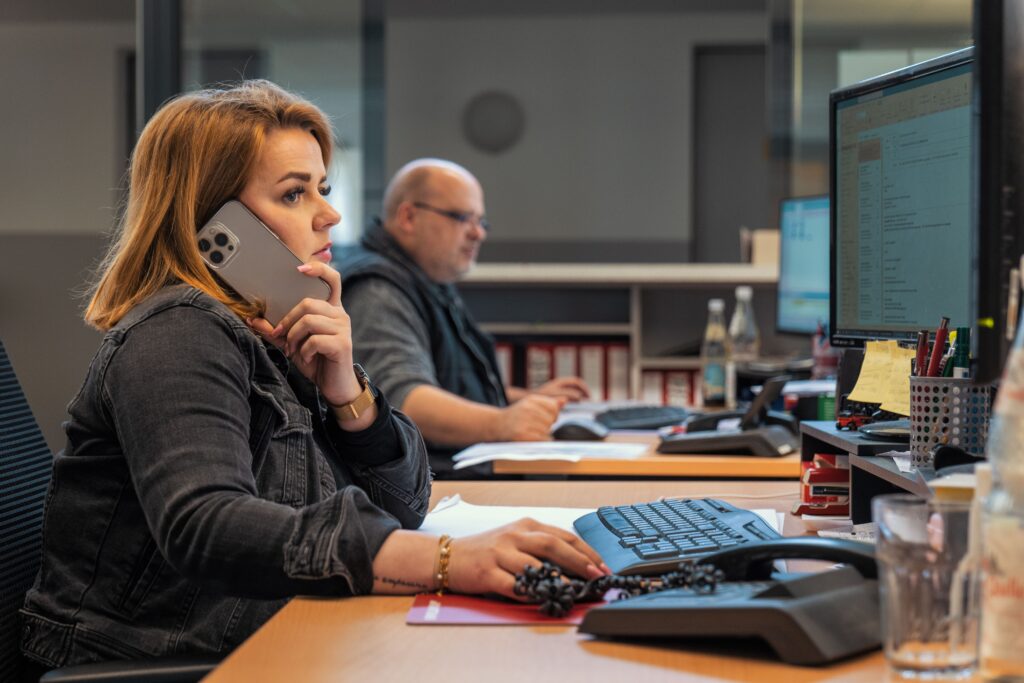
[
  {"x": 803, "y": 265},
  {"x": 903, "y": 243}
]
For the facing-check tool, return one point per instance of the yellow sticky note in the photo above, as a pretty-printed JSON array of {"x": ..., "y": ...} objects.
[
  {"x": 874, "y": 373},
  {"x": 898, "y": 384}
]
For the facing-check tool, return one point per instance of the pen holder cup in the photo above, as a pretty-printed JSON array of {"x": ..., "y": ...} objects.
[{"x": 947, "y": 411}]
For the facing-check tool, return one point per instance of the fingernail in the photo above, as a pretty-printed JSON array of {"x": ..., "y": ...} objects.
[
  {"x": 594, "y": 572},
  {"x": 605, "y": 569},
  {"x": 278, "y": 330},
  {"x": 305, "y": 268}
]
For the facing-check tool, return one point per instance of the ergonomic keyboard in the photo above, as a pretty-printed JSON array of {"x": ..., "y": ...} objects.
[
  {"x": 641, "y": 417},
  {"x": 652, "y": 538}
]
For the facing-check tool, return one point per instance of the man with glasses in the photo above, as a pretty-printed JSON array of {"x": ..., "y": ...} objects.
[{"x": 413, "y": 334}]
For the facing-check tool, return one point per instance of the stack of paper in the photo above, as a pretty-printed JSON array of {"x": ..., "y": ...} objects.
[{"x": 570, "y": 451}]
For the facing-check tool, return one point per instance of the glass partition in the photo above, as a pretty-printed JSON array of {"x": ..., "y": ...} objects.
[
  {"x": 837, "y": 43},
  {"x": 313, "y": 47}
]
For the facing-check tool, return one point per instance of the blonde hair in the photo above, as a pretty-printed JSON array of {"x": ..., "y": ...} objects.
[{"x": 196, "y": 153}]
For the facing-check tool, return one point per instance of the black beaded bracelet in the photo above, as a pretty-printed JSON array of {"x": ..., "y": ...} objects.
[{"x": 557, "y": 593}]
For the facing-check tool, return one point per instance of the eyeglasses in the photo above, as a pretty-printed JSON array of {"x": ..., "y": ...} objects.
[{"x": 464, "y": 218}]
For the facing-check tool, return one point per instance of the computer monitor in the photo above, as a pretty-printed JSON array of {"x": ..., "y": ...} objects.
[
  {"x": 803, "y": 265},
  {"x": 999, "y": 115},
  {"x": 903, "y": 233}
]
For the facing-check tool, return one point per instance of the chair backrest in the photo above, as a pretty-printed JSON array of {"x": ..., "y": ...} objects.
[{"x": 25, "y": 465}]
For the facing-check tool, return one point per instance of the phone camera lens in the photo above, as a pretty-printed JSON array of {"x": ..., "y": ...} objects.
[
  {"x": 204, "y": 244},
  {"x": 231, "y": 247},
  {"x": 216, "y": 257},
  {"x": 221, "y": 239}
]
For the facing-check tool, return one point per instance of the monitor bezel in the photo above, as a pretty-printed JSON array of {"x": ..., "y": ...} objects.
[
  {"x": 945, "y": 62},
  {"x": 999, "y": 111},
  {"x": 779, "y": 328}
]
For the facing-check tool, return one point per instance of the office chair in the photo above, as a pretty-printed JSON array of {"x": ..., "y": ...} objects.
[{"x": 25, "y": 464}]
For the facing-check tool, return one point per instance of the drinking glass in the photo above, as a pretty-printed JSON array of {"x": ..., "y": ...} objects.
[{"x": 928, "y": 586}]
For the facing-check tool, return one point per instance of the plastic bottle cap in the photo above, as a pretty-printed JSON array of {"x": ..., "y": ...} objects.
[
  {"x": 744, "y": 292},
  {"x": 716, "y": 305}
]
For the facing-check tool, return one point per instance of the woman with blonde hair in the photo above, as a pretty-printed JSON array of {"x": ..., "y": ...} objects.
[{"x": 215, "y": 465}]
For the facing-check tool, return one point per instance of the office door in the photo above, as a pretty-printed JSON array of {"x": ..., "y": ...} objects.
[{"x": 731, "y": 167}]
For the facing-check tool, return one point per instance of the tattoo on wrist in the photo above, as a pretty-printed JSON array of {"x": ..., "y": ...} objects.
[{"x": 401, "y": 583}]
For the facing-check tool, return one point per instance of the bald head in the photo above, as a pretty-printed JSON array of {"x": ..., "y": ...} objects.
[
  {"x": 435, "y": 211},
  {"x": 419, "y": 180}
]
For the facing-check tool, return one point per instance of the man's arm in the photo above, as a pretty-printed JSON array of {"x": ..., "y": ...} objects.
[
  {"x": 391, "y": 341},
  {"x": 569, "y": 388},
  {"x": 445, "y": 418},
  {"x": 389, "y": 337}
]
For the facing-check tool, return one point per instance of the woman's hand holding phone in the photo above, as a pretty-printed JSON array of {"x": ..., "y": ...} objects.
[{"x": 316, "y": 336}]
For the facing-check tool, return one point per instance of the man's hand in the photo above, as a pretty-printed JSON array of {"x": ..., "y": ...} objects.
[
  {"x": 528, "y": 419},
  {"x": 569, "y": 388}
]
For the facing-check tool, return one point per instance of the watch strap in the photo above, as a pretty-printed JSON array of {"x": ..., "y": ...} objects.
[{"x": 358, "y": 406}]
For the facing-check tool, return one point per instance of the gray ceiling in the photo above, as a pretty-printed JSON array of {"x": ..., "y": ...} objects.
[{"x": 124, "y": 10}]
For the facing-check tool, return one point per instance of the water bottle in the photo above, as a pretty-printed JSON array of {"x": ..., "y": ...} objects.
[
  {"x": 825, "y": 358},
  {"x": 1001, "y": 646},
  {"x": 746, "y": 341},
  {"x": 717, "y": 372}
]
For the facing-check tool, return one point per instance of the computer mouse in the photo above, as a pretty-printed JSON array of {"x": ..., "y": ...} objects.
[{"x": 579, "y": 429}]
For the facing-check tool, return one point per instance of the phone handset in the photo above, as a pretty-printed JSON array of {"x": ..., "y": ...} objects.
[
  {"x": 753, "y": 561},
  {"x": 757, "y": 415}
]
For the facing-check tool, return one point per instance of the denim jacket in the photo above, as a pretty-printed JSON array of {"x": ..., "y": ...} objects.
[{"x": 203, "y": 483}]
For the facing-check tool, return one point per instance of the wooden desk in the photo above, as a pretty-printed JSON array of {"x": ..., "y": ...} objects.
[
  {"x": 366, "y": 639},
  {"x": 653, "y": 464}
]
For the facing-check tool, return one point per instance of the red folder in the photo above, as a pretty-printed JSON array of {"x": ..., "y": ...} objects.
[
  {"x": 539, "y": 364},
  {"x": 430, "y": 608}
]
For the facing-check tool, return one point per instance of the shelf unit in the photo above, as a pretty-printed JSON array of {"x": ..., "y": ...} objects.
[
  {"x": 504, "y": 297},
  {"x": 869, "y": 475},
  {"x": 618, "y": 274}
]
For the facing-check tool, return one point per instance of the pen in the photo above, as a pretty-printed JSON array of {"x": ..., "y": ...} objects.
[
  {"x": 938, "y": 348},
  {"x": 922, "y": 353},
  {"x": 946, "y": 364},
  {"x": 962, "y": 357}
]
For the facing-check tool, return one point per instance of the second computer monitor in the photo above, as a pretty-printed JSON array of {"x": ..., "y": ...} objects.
[
  {"x": 803, "y": 265},
  {"x": 902, "y": 216}
]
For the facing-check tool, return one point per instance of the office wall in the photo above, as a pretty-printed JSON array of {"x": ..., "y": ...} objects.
[
  {"x": 603, "y": 170},
  {"x": 64, "y": 145},
  {"x": 63, "y": 126}
]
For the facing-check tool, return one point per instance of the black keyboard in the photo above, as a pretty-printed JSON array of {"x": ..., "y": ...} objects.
[
  {"x": 642, "y": 417},
  {"x": 652, "y": 538}
]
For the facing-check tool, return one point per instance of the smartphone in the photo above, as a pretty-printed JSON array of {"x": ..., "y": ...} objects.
[{"x": 247, "y": 255}]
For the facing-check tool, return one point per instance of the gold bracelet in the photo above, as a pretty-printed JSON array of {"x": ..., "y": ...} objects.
[{"x": 444, "y": 556}]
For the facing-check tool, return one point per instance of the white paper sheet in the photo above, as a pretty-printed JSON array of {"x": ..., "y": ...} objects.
[
  {"x": 901, "y": 459},
  {"x": 456, "y": 517},
  {"x": 569, "y": 451}
]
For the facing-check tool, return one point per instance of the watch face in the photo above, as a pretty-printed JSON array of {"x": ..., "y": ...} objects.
[{"x": 361, "y": 375}]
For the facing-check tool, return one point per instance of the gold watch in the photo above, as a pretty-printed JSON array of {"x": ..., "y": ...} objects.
[{"x": 362, "y": 402}]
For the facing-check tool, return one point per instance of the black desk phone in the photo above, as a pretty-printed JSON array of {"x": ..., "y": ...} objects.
[
  {"x": 758, "y": 430},
  {"x": 806, "y": 619}
]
